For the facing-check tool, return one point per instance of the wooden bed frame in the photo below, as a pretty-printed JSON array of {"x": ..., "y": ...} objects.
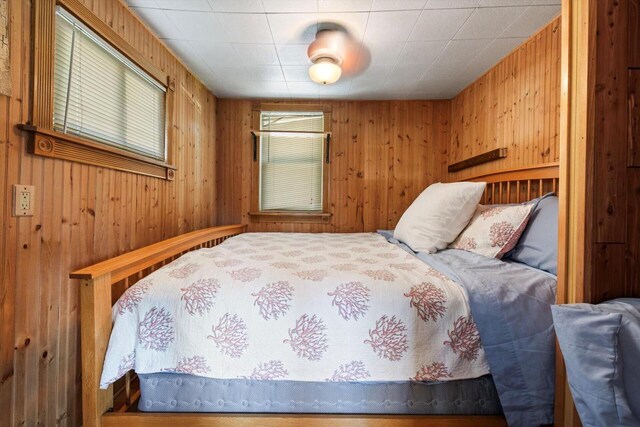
[{"x": 104, "y": 282}]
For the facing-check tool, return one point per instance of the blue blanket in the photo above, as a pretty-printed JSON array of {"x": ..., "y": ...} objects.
[{"x": 510, "y": 303}]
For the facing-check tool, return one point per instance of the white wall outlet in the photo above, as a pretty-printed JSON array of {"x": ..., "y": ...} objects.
[{"x": 23, "y": 200}]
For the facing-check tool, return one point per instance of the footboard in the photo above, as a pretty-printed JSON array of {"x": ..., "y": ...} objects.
[{"x": 102, "y": 285}]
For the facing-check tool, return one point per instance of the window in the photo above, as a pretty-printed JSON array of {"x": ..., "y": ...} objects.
[
  {"x": 291, "y": 161},
  {"x": 101, "y": 95}
]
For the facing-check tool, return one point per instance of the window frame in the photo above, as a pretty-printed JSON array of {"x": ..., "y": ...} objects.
[
  {"x": 45, "y": 141},
  {"x": 256, "y": 214}
]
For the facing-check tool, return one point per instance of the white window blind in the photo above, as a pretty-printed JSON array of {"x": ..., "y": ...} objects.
[
  {"x": 291, "y": 162},
  {"x": 103, "y": 96}
]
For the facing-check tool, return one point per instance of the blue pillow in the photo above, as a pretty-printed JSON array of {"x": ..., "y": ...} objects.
[
  {"x": 601, "y": 348},
  {"x": 538, "y": 245}
]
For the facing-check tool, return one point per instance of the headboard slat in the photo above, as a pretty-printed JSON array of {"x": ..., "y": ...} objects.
[{"x": 521, "y": 184}]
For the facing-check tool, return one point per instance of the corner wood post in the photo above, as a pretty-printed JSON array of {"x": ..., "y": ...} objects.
[{"x": 95, "y": 329}]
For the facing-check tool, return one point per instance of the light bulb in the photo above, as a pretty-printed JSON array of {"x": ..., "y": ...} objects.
[{"x": 325, "y": 71}]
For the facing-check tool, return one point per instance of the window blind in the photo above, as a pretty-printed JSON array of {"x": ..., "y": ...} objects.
[
  {"x": 291, "y": 163},
  {"x": 101, "y": 95}
]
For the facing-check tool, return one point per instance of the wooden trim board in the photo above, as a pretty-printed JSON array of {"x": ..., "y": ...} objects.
[
  {"x": 291, "y": 420},
  {"x": 480, "y": 159},
  {"x": 48, "y": 143},
  {"x": 542, "y": 171}
]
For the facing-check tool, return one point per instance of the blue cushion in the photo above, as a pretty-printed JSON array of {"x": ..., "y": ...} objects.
[
  {"x": 538, "y": 245},
  {"x": 601, "y": 348}
]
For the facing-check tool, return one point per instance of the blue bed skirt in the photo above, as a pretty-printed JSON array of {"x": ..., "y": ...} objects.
[{"x": 169, "y": 392}]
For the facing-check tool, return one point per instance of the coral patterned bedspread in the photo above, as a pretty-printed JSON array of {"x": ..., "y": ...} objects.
[{"x": 301, "y": 307}]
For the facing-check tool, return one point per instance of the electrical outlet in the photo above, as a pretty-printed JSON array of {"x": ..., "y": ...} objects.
[{"x": 23, "y": 200}]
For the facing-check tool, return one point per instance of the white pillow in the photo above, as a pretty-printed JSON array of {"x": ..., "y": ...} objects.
[{"x": 438, "y": 215}]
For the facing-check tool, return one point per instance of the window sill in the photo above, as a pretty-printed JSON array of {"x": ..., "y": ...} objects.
[
  {"x": 283, "y": 216},
  {"x": 48, "y": 143}
]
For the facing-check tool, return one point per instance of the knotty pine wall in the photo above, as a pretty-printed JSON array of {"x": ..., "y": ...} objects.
[
  {"x": 83, "y": 214},
  {"x": 614, "y": 174},
  {"x": 516, "y": 104},
  {"x": 383, "y": 154}
]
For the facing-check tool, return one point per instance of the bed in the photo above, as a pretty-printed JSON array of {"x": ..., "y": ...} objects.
[{"x": 173, "y": 383}]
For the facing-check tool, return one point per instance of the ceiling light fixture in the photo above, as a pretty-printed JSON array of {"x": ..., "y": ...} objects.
[
  {"x": 325, "y": 71},
  {"x": 326, "y": 53}
]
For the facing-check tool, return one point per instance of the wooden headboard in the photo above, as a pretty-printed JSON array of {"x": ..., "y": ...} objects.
[{"x": 519, "y": 185}]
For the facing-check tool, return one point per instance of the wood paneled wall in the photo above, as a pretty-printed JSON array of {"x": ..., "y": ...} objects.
[
  {"x": 602, "y": 217},
  {"x": 83, "y": 214},
  {"x": 615, "y": 209},
  {"x": 383, "y": 154},
  {"x": 599, "y": 257},
  {"x": 516, "y": 105}
]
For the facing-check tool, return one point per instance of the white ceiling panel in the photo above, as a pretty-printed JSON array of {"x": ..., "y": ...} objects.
[
  {"x": 183, "y": 49},
  {"x": 266, "y": 73},
  {"x": 199, "y": 67},
  {"x": 270, "y": 89},
  {"x": 407, "y": 72},
  {"x": 423, "y": 53},
  {"x": 224, "y": 74},
  {"x": 385, "y": 27},
  {"x": 237, "y": 6},
  {"x": 335, "y": 90},
  {"x": 488, "y": 23},
  {"x": 397, "y": 5},
  {"x": 245, "y": 27},
  {"x": 308, "y": 87},
  {"x": 451, "y": 4},
  {"x": 293, "y": 54},
  {"x": 344, "y": 6},
  {"x": 432, "y": 88},
  {"x": 375, "y": 74},
  {"x": 385, "y": 53},
  {"x": 504, "y": 3},
  {"x": 159, "y": 22},
  {"x": 216, "y": 54},
  {"x": 355, "y": 23},
  {"x": 290, "y": 6},
  {"x": 287, "y": 28},
  {"x": 488, "y": 56},
  {"x": 439, "y": 24},
  {"x": 257, "y": 54},
  {"x": 197, "y": 25},
  {"x": 193, "y": 5},
  {"x": 417, "y": 49},
  {"x": 455, "y": 58},
  {"x": 142, "y": 3},
  {"x": 531, "y": 21},
  {"x": 399, "y": 84},
  {"x": 296, "y": 73}
]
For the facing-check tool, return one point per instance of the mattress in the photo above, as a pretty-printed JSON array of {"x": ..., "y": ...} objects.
[
  {"x": 287, "y": 306},
  {"x": 171, "y": 392}
]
